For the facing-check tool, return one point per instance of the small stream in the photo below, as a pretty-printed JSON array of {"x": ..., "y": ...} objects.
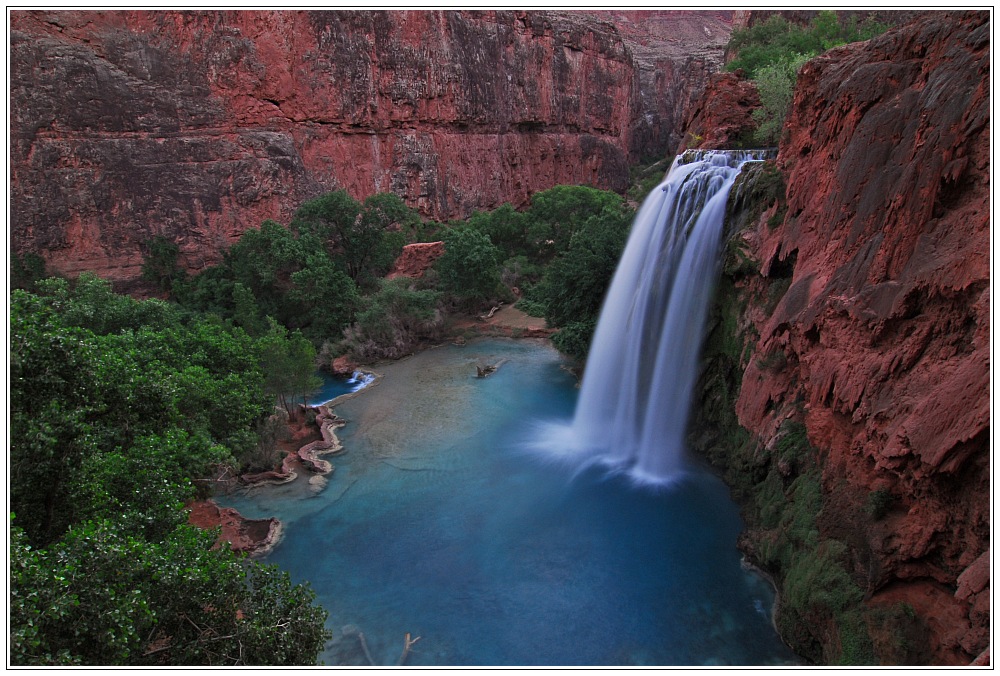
[{"x": 444, "y": 521}]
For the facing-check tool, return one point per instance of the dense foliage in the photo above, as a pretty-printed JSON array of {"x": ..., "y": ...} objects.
[
  {"x": 561, "y": 253},
  {"x": 776, "y": 39},
  {"x": 396, "y": 318},
  {"x": 361, "y": 238},
  {"x": 117, "y": 408},
  {"x": 309, "y": 276},
  {"x": 771, "y": 53}
]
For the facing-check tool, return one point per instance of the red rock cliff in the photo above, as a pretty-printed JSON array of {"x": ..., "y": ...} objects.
[
  {"x": 885, "y": 327},
  {"x": 199, "y": 125}
]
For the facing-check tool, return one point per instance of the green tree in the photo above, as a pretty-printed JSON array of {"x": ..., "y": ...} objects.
[
  {"x": 113, "y": 420},
  {"x": 289, "y": 364},
  {"x": 26, "y": 271},
  {"x": 364, "y": 238},
  {"x": 159, "y": 264},
  {"x": 246, "y": 314},
  {"x": 506, "y": 227},
  {"x": 263, "y": 260},
  {"x": 103, "y": 597},
  {"x": 52, "y": 372},
  {"x": 576, "y": 282},
  {"x": 557, "y": 213},
  {"x": 396, "y": 319},
  {"x": 322, "y": 300},
  {"x": 776, "y": 86},
  {"x": 470, "y": 266}
]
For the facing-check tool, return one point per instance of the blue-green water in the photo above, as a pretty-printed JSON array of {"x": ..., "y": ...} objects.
[
  {"x": 334, "y": 386},
  {"x": 444, "y": 521}
]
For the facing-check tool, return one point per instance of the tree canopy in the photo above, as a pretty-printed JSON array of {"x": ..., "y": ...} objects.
[{"x": 118, "y": 407}]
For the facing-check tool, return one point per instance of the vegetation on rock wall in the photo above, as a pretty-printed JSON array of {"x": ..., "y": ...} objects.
[
  {"x": 820, "y": 579},
  {"x": 771, "y": 53}
]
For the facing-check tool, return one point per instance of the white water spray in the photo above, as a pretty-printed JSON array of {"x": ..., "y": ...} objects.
[{"x": 643, "y": 362}]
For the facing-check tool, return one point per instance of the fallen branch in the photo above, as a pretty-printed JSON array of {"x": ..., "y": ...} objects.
[
  {"x": 491, "y": 312},
  {"x": 489, "y": 369},
  {"x": 407, "y": 644},
  {"x": 364, "y": 646}
]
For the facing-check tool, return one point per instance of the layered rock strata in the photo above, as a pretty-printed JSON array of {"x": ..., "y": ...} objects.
[{"x": 196, "y": 125}]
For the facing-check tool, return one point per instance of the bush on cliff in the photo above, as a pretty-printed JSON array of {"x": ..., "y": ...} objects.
[
  {"x": 772, "y": 52},
  {"x": 160, "y": 265},
  {"x": 778, "y": 39},
  {"x": 26, "y": 271},
  {"x": 775, "y": 84},
  {"x": 796, "y": 530}
]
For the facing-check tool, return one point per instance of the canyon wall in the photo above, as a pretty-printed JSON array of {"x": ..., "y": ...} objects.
[
  {"x": 196, "y": 125},
  {"x": 868, "y": 319}
]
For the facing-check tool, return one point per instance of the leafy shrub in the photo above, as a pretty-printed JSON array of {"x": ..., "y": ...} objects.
[
  {"x": 113, "y": 420},
  {"x": 574, "y": 338},
  {"x": 776, "y": 39},
  {"x": 771, "y": 53},
  {"x": 26, "y": 271},
  {"x": 159, "y": 264},
  {"x": 362, "y": 238},
  {"x": 775, "y": 84},
  {"x": 575, "y": 283},
  {"x": 397, "y": 318},
  {"x": 470, "y": 266},
  {"x": 532, "y": 308}
]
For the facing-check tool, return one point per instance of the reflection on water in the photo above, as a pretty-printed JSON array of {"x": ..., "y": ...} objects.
[{"x": 443, "y": 521}]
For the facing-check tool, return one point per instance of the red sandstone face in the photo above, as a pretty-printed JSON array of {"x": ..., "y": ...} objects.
[
  {"x": 723, "y": 114},
  {"x": 199, "y": 125},
  {"x": 885, "y": 325},
  {"x": 416, "y": 259}
]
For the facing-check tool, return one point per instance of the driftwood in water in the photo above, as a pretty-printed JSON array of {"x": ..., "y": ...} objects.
[
  {"x": 489, "y": 369},
  {"x": 407, "y": 644},
  {"x": 492, "y": 312},
  {"x": 364, "y": 646}
]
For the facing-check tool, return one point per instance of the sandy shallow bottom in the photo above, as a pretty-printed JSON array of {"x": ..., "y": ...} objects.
[{"x": 442, "y": 521}]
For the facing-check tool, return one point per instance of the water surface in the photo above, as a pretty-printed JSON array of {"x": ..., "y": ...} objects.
[{"x": 440, "y": 522}]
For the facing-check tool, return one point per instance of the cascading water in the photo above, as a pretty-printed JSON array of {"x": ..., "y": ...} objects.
[{"x": 643, "y": 361}]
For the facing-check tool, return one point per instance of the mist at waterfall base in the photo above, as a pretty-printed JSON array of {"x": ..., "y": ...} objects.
[{"x": 444, "y": 520}]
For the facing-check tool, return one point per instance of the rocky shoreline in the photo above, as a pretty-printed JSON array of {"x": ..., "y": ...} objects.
[{"x": 257, "y": 537}]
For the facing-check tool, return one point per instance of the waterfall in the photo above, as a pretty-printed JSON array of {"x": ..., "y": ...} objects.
[{"x": 644, "y": 358}]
